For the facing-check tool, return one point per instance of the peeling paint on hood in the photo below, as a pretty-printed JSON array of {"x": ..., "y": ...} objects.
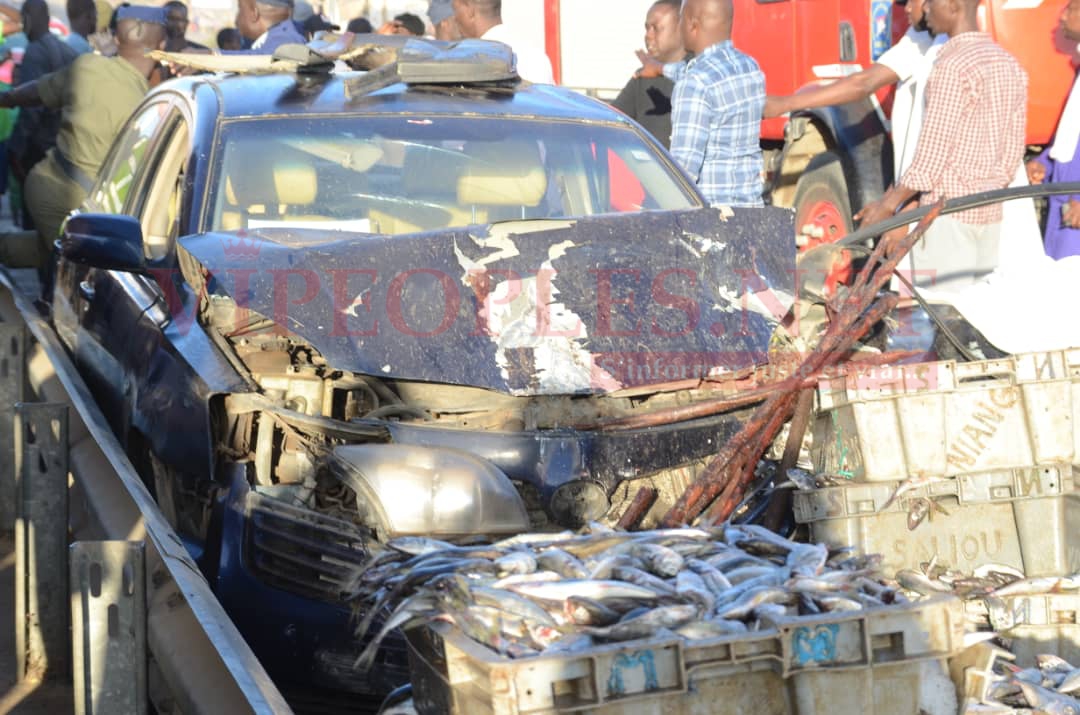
[{"x": 591, "y": 305}]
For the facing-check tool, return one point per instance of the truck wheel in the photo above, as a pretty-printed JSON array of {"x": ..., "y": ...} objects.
[{"x": 823, "y": 213}]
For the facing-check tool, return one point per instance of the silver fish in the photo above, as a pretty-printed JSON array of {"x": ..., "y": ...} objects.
[
  {"x": 839, "y": 603},
  {"x": 596, "y": 590},
  {"x": 1038, "y": 586},
  {"x": 644, "y": 579},
  {"x": 419, "y": 545},
  {"x": 910, "y": 485},
  {"x": 511, "y": 603},
  {"x": 692, "y": 588},
  {"x": 1049, "y": 663},
  {"x": 535, "y": 577},
  {"x": 557, "y": 560},
  {"x": 734, "y": 558},
  {"x": 715, "y": 628},
  {"x": 516, "y": 563},
  {"x": 647, "y": 623},
  {"x": 1070, "y": 683},
  {"x": 603, "y": 568},
  {"x": 714, "y": 579},
  {"x": 807, "y": 559},
  {"x": 747, "y": 573},
  {"x": 661, "y": 560},
  {"x": 919, "y": 582},
  {"x": 752, "y": 599},
  {"x": 410, "y": 609},
  {"x": 587, "y": 612},
  {"x": 1049, "y": 702}
]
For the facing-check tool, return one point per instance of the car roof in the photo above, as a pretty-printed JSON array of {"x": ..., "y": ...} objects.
[{"x": 284, "y": 94}]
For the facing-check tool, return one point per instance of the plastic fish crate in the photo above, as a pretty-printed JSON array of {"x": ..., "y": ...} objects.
[
  {"x": 1028, "y": 519},
  {"x": 884, "y": 660},
  {"x": 1043, "y": 624},
  {"x": 947, "y": 418}
]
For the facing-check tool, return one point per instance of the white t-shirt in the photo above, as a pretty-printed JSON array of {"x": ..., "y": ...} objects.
[
  {"x": 532, "y": 62},
  {"x": 911, "y": 59}
]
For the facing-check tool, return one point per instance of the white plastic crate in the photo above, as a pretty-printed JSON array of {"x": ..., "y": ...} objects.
[
  {"x": 1028, "y": 519},
  {"x": 884, "y": 660},
  {"x": 1043, "y": 624},
  {"x": 948, "y": 418}
]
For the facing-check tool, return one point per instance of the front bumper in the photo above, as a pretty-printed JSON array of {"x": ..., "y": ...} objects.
[{"x": 302, "y": 635}]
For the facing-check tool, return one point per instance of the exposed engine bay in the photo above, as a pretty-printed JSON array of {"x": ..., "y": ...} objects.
[{"x": 316, "y": 457}]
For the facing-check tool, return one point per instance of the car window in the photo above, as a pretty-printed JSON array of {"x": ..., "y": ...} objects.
[
  {"x": 406, "y": 174},
  {"x": 159, "y": 203},
  {"x": 122, "y": 168}
]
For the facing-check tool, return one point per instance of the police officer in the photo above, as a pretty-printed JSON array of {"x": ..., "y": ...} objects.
[
  {"x": 95, "y": 96},
  {"x": 271, "y": 18}
]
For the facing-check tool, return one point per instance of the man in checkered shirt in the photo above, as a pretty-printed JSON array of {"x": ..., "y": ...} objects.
[
  {"x": 716, "y": 108},
  {"x": 971, "y": 141}
]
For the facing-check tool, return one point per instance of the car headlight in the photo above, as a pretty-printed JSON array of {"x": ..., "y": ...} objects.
[{"x": 407, "y": 490}]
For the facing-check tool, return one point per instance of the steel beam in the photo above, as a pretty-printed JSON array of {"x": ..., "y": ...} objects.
[
  {"x": 41, "y": 526},
  {"x": 108, "y": 633},
  {"x": 12, "y": 371}
]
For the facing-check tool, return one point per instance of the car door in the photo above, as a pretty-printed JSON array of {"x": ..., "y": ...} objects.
[{"x": 94, "y": 309}]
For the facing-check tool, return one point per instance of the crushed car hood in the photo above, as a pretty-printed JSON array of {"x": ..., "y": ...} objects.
[{"x": 589, "y": 305}]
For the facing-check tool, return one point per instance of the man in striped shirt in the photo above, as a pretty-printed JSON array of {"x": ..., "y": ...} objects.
[
  {"x": 716, "y": 108},
  {"x": 971, "y": 141}
]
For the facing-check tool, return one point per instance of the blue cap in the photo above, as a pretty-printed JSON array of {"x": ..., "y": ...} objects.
[
  {"x": 142, "y": 13},
  {"x": 440, "y": 10}
]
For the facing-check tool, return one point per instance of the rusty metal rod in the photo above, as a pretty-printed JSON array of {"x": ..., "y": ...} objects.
[
  {"x": 639, "y": 507},
  {"x": 749, "y": 396},
  {"x": 781, "y": 499},
  {"x": 861, "y": 311}
]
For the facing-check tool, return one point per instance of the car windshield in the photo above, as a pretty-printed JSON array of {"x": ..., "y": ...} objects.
[{"x": 403, "y": 174}]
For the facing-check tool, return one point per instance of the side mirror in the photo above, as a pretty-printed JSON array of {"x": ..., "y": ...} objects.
[{"x": 109, "y": 241}]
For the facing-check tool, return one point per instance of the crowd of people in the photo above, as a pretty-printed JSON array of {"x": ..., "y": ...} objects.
[{"x": 958, "y": 119}]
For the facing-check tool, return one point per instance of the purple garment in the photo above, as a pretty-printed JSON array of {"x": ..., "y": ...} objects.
[{"x": 1060, "y": 240}]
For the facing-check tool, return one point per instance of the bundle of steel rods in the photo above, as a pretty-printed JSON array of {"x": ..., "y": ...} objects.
[{"x": 720, "y": 486}]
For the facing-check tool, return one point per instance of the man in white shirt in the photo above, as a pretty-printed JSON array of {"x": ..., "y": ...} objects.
[
  {"x": 483, "y": 19},
  {"x": 906, "y": 64}
]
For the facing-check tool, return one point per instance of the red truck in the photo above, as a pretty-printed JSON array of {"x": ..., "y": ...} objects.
[{"x": 826, "y": 163}]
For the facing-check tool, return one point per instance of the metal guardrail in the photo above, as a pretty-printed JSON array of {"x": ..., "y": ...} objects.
[{"x": 205, "y": 666}]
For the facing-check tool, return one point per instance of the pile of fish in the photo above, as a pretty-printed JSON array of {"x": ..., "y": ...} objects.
[
  {"x": 991, "y": 586},
  {"x": 990, "y": 580},
  {"x": 1052, "y": 686},
  {"x": 543, "y": 593}
]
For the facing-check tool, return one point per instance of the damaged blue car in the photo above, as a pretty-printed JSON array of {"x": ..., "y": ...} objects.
[{"x": 322, "y": 311}]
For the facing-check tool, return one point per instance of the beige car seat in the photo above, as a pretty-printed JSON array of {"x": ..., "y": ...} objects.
[{"x": 269, "y": 189}]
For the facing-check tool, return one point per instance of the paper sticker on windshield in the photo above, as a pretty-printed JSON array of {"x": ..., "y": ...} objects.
[{"x": 640, "y": 154}]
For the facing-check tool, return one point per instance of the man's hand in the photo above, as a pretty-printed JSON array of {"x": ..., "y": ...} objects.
[
  {"x": 1070, "y": 214},
  {"x": 774, "y": 107},
  {"x": 873, "y": 212},
  {"x": 1036, "y": 171},
  {"x": 649, "y": 67}
]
